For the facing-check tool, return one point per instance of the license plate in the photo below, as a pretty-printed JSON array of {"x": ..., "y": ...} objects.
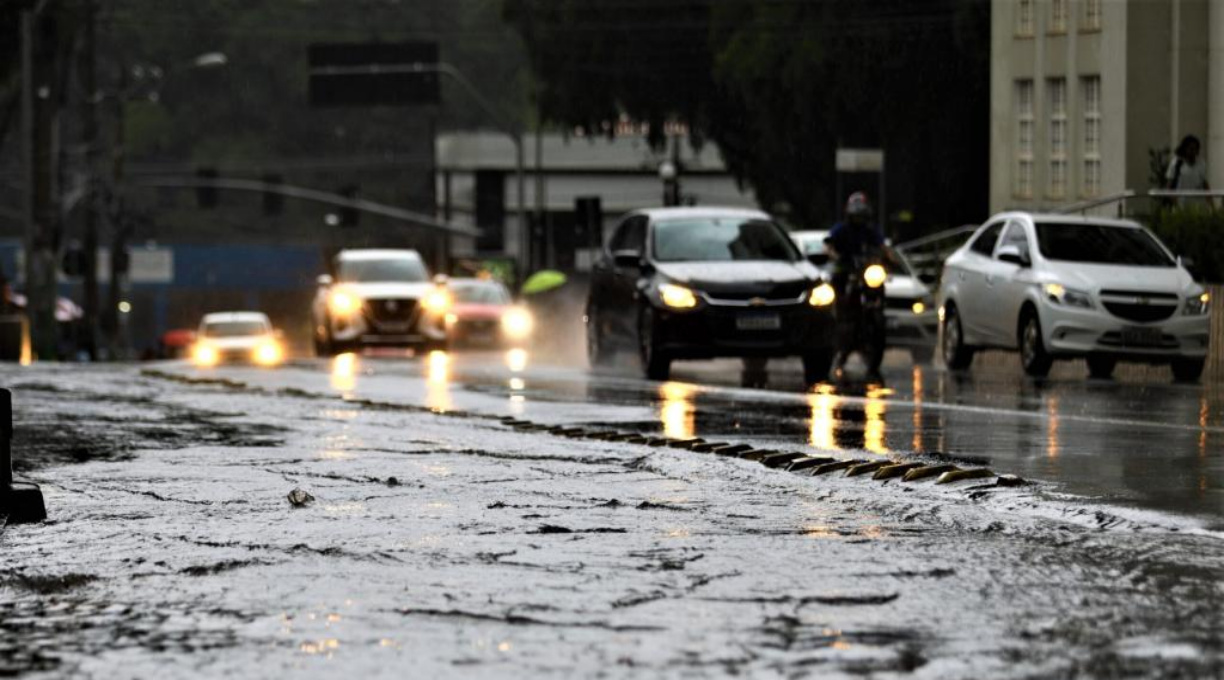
[
  {"x": 758, "y": 322},
  {"x": 1140, "y": 337}
]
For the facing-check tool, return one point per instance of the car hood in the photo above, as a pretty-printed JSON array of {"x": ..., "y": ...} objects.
[
  {"x": 903, "y": 286},
  {"x": 746, "y": 278},
  {"x": 388, "y": 290},
  {"x": 1090, "y": 277}
]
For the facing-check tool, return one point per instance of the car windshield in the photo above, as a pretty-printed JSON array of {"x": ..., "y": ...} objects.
[
  {"x": 398, "y": 269},
  {"x": 721, "y": 239},
  {"x": 813, "y": 248},
  {"x": 231, "y": 329},
  {"x": 480, "y": 294},
  {"x": 1100, "y": 244}
]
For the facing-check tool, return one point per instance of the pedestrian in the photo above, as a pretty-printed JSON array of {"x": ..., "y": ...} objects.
[{"x": 1187, "y": 171}]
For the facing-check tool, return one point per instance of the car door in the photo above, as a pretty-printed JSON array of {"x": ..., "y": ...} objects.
[
  {"x": 1007, "y": 284},
  {"x": 618, "y": 279},
  {"x": 972, "y": 298}
]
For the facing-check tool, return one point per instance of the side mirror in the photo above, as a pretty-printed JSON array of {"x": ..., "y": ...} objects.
[
  {"x": 324, "y": 280},
  {"x": 1013, "y": 255},
  {"x": 627, "y": 259}
]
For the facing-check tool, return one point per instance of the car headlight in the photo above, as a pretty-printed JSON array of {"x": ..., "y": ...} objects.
[
  {"x": 268, "y": 353},
  {"x": 205, "y": 355},
  {"x": 437, "y": 301},
  {"x": 822, "y": 295},
  {"x": 1060, "y": 294},
  {"x": 677, "y": 297},
  {"x": 343, "y": 303},
  {"x": 919, "y": 307},
  {"x": 874, "y": 276},
  {"x": 517, "y": 323},
  {"x": 1197, "y": 305}
]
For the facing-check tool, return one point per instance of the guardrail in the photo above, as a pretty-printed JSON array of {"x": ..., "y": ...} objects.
[{"x": 20, "y": 502}]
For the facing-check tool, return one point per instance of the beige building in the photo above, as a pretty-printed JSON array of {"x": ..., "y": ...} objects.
[{"x": 1082, "y": 90}]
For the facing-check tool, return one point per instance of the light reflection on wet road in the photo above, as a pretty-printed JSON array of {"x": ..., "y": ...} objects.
[{"x": 1155, "y": 445}]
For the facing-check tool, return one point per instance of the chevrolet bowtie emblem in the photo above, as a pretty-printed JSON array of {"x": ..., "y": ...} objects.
[
  {"x": 756, "y": 302},
  {"x": 392, "y": 306}
]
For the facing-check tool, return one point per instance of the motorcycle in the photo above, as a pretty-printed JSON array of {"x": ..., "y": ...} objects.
[{"x": 860, "y": 312}]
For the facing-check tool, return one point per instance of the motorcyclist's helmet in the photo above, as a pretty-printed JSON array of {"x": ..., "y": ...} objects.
[{"x": 858, "y": 206}]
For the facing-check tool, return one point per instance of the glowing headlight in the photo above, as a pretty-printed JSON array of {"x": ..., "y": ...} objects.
[
  {"x": 1198, "y": 305},
  {"x": 822, "y": 295},
  {"x": 268, "y": 353},
  {"x": 205, "y": 355},
  {"x": 517, "y": 323},
  {"x": 677, "y": 297},
  {"x": 919, "y": 307},
  {"x": 1062, "y": 295},
  {"x": 342, "y": 303},
  {"x": 438, "y": 301},
  {"x": 874, "y": 276}
]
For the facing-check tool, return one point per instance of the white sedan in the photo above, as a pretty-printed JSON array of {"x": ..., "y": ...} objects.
[
  {"x": 1060, "y": 287},
  {"x": 237, "y": 337}
]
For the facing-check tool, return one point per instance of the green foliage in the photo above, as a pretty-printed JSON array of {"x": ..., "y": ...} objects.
[
  {"x": 780, "y": 85},
  {"x": 1196, "y": 233}
]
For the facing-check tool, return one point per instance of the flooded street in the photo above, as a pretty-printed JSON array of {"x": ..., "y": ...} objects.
[{"x": 437, "y": 535}]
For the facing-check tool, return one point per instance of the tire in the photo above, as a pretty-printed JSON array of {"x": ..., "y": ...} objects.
[
  {"x": 956, "y": 355},
  {"x": 1101, "y": 368},
  {"x": 1187, "y": 370},
  {"x": 922, "y": 354},
  {"x": 816, "y": 366},
  {"x": 656, "y": 365},
  {"x": 874, "y": 356},
  {"x": 323, "y": 347},
  {"x": 1033, "y": 356},
  {"x": 598, "y": 355}
]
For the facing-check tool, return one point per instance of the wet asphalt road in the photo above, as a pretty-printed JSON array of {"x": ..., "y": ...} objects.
[{"x": 1139, "y": 442}]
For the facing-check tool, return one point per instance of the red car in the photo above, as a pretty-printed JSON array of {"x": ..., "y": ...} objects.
[{"x": 483, "y": 314}]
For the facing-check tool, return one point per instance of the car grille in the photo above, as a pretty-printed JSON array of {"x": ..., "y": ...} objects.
[
  {"x": 1139, "y": 306},
  {"x": 390, "y": 310}
]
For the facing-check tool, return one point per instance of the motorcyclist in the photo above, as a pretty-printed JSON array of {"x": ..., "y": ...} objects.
[{"x": 854, "y": 238}]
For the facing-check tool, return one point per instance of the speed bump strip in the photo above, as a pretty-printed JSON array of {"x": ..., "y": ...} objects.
[
  {"x": 731, "y": 450},
  {"x": 657, "y": 442},
  {"x": 864, "y": 468},
  {"x": 896, "y": 470},
  {"x": 756, "y": 454},
  {"x": 928, "y": 471},
  {"x": 777, "y": 460},
  {"x": 706, "y": 447},
  {"x": 834, "y": 467},
  {"x": 957, "y": 475},
  {"x": 684, "y": 443},
  {"x": 808, "y": 462}
]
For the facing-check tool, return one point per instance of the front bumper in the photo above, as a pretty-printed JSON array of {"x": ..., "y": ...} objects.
[
  {"x": 390, "y": 323},
  {"x": 1074, "y": 332},
  {"x": 713, "y": 331}
]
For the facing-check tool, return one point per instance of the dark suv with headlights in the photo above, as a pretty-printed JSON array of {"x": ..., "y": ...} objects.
[{"x": 701, "y": 283}]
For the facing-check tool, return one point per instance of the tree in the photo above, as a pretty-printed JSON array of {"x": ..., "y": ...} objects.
[{"x": 780, "y": 85}]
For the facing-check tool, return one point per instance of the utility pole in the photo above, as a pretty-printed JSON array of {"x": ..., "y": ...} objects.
[
  {"x": 92, "y": 199},
  {"x": 39, "y": 60}
]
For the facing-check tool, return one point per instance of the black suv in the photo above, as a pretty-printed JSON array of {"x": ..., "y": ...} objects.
[{"x": 700, "y": 283}]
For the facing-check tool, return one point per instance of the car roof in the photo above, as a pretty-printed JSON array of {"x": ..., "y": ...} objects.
[
  {"x": 1057, "y": 218},
  {"x": 378, "y": 254},
  {"x": 701, "y": 211},
  {"x": 230, "y": 317},
  {"x": 472, "y": 281}
]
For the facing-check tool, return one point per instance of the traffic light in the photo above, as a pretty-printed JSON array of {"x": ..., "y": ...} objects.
[
  {"x": 206, "y": 195},
  {"x": 349, "y": 216},
  {"x": 273, "y": 201}
]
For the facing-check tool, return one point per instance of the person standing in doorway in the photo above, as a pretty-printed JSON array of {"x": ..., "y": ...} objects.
[{"x": 1188, "y": 171}]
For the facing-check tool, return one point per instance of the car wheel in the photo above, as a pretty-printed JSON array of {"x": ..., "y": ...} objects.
[
  {"x": 1187, "y": 370},
  {"x": 956, "y": 355},
  {"x": 1033, "y": 354},
  {"x": 597, "y": 352},
  {"x": 922, "y": 354},
  {"x": 874, "y": 356},
  {"x": 1100, "y": 367},
  {"x": 656, "y": 365},
  {"x": 816, "y": 366}
]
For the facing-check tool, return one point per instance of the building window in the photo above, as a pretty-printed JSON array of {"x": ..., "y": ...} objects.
[
  {"x": 1091, "y": 87},
  {"x": 1058, "y": 16},
  {"x": 1024, "y": 18},
  {"x": 1024, "y": 138},
  {"x": 1056, "y": 89},
  {"x": 1092, "y": 15}
]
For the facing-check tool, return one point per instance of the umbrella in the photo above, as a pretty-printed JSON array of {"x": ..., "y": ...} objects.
[{"x": 543, "y": 281}]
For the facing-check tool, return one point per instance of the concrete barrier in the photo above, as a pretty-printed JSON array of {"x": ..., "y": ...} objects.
[{"x": 20, "y": 502}]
